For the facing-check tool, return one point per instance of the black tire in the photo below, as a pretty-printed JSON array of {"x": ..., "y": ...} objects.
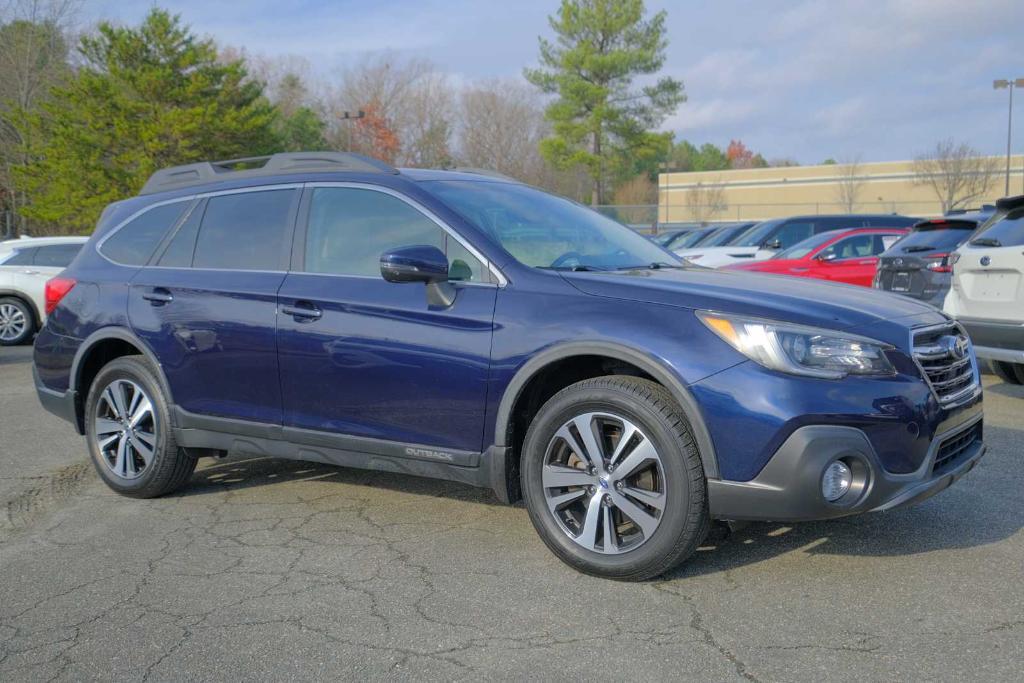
[
  {"x": 684, "y": 521},
  {"x": 170, "y": 466},
  {"x": 1011, "y": 373},
  {"x": 29, "y": 317}
]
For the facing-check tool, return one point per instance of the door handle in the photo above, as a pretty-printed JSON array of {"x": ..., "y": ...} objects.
[
  {"x": 30, "y": 272},
  {"x": 158, "y": 296},
  {"x": 302, "y": 310}
]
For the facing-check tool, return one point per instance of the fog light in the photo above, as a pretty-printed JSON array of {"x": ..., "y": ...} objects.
[{"x": 836, "y": 481}]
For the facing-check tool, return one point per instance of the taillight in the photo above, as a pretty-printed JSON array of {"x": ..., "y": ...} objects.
[
  {"x": 938, "y": 263},
  {"x": 57, "y": 289}
]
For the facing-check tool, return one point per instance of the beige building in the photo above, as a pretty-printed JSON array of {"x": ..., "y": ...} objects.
[{"x": 759, "y": 193}]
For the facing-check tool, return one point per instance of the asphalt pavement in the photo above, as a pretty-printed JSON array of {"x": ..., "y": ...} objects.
[{"x": 277, "y": 570}]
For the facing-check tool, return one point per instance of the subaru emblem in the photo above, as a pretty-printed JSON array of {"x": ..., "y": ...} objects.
[
  {"x": 899, "y": 262},
  {"x": 985, "y": 260}
]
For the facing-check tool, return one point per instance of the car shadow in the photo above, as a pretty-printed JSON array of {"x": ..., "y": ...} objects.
[
  {"x": 982, "y": 508},
  {"x": 1006, "y": 389},
  {"x": 242, "y": 471}
]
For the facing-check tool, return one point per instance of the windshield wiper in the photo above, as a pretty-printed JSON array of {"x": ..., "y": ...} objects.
[
  {"x": 986, "y": 242},
  {"x": 655, "y": 265},
  {"x": 575, "y": 269}
]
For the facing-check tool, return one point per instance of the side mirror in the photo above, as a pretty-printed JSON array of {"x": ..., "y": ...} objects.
[
  {"x": 772, "y": 244},
  {"x": 421, "y": 263},
  {"x": 825, "y": 258}
]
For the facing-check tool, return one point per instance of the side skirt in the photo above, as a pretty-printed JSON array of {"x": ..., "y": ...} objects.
[{"x": 291, "y": 443}]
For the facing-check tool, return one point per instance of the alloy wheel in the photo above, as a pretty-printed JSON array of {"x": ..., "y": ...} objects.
[
  {"x": 125, "y": 429},
  {"x": 12, "y": 322},
  {"x": 604, "y": 482}
]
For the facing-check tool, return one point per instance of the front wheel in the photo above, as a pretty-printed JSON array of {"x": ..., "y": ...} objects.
[
  {"x": 127, "y": 426},
  {"x": 612, "y": 479}
]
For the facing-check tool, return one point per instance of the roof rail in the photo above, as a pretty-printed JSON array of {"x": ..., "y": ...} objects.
[
  {"x": 483, "y": 171},
  {"x": 177, "y": 177}
]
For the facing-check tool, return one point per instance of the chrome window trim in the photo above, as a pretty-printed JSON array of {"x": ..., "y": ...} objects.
[
  {"x": 190, "y": 198},
  {"x": 495, "y": 272}
]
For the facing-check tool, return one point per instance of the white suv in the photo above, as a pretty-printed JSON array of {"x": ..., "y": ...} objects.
[
  {"x": 987, "y": 295},
  {"x": 25, "y": 266}
]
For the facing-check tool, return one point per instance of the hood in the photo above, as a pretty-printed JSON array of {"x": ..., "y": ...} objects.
[{"x": 779, "y": 297}]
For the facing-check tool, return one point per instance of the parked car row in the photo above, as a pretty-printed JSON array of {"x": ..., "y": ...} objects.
[{"x": 969, "y": 263}]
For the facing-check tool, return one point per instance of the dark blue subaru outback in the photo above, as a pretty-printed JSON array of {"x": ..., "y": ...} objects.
[{"x": 460, "y": 325}]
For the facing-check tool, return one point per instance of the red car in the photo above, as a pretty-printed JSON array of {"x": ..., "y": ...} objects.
[{"x": 849, "y": 256}]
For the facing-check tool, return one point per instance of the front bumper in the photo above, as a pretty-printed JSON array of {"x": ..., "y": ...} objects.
[
  {"x": 60, "y": 403},
  {"x": 789, "y": 486}
]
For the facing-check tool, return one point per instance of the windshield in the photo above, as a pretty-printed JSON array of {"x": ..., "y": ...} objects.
[
  {"x": 934, "y": 239},
  {"x": 546, "y": 231},
  {"x": 757, "y": 234},
  {"x": 666, "y": 237},
  {"x": 802, "y": 249},
  {"x": 692, "y": 238},
  {"x": 723, "y": 236}
]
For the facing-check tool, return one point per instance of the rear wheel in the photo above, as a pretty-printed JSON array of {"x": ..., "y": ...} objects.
[
  {"x": 127, "y": 426},
  {"x": 17, "y": 324},
  {"x": 612, "y": 479},
  {"x": 1011, "y": 373}
]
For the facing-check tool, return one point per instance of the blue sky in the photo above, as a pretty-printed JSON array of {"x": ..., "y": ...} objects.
[{"x": 806, "y": 79}]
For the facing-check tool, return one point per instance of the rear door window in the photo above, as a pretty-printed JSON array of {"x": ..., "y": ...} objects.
[
  {"x": 133, "y": 244},
  {"x": 56, "y": 255},
  {"x": 246, "y": 231}
]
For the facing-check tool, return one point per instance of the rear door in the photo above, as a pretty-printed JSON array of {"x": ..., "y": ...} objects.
[
  {"x": 363, "y": 357},
  {"x": 207, "y": 302},
  {"x": 989, "y": 272}
]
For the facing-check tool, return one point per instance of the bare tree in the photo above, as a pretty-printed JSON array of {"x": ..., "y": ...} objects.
[
  {"x": 956, "y": 173},
  {"x": 705, "y": 201},
  {"x": 850, "y": 183},
  {"x": 33, "y": 58},
  {"x": 429, "y": 121},
  {"x": 501, "y": 126}
]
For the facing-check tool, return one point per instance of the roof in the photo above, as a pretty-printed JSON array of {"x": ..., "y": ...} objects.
[{"x": 27, "y": 242}]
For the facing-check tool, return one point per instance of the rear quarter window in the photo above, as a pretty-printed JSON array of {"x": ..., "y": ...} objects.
[
  {"x": 135, "y": 241},
  {"x": 20, "y": 257},
  {"x": 56, "y": 255}
]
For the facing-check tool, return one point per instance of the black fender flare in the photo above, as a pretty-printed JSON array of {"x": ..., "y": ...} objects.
[
  {"x": 122, "y": 334},
  {"x": 649, "y": 364}
]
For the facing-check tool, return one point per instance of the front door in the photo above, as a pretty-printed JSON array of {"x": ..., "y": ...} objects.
[{"x": 366, "y": 358}]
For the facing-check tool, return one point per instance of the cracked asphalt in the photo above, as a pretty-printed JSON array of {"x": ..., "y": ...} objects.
[{"x": 278, "y": 570}]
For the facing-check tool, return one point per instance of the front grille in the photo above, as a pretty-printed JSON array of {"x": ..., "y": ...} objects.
[
  {"x": 953, "y": 449},
  {"x": 944, "y": 354}
]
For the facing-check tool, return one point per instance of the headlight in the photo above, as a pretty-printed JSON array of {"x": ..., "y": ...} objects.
[{"x": 800, "y": 350}]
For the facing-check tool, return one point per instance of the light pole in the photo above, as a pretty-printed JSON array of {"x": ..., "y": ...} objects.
[
  {"x": 349, "y": 116},
  {"x": 1010, "y": 85}
]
